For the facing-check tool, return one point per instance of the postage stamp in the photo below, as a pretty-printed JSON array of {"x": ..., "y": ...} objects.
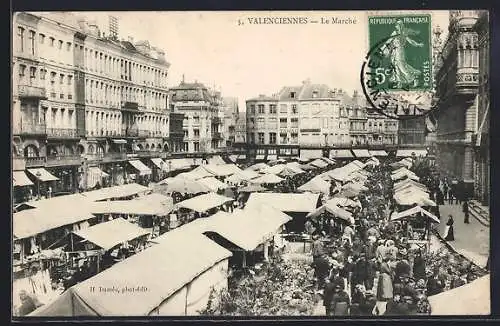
[{"x": 397, "y": 72}]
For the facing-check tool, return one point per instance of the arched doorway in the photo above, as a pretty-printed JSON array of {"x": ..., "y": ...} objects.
[
  {"x": 147, "y": 147},
  {"x": 52, "y": 150},
  {"x": 100, "y": 150},
  {"x": 140, "y": 147},
  {"x": 81, "y": 149},
  {"x": 31, "y": 151},
  {"x": 165, "y": 147},
  {"x": 158, "y": 147},
  {"x": 91, "y": 149},
  {"x": 68, "y": 150}
]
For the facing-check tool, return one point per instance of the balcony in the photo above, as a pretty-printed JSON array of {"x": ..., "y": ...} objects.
[
  {"x": 38, "y": 129},
  {"x": 130, "y": 106},
  {"x": 32, "y": 92},
  {"x": 62, "y": 133},
  {"x": 467, "y": 80},
  {"x": 62, "y": 160},
  {"x": 32, "y": 162}
]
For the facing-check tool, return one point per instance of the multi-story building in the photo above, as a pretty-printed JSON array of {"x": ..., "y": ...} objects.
[
  {"x": 240, "y": 134},
  {"x": 456, "y": 97},
  {"x": 202, "y": 124},
  {"x": 82, "y": 102},
  {"x": 480, "y": 140},
  {"x": 230, "y": 112},
  {"x": 382, "y": 130}
]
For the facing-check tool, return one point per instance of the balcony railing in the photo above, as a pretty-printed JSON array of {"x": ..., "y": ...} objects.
[
  {"x": 130, "y": 106},
  {"x": 30, "y": 129},
  {"x": 62, "y": 133},
  {"x": 34, "y": 161},
  {"x": 34, "y": 92},
  {"x": 60, "y": 160}
]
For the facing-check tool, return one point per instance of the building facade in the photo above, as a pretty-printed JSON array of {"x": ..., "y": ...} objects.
[
  {"x": 240, "y": 135},
  {"x": 203, "y": 122},
  {"x": 83, "y": 103},
  {"x": 480, "y": 139},
  {"x": 230, "y": 112},
  {"x": 456, "y": 97}
]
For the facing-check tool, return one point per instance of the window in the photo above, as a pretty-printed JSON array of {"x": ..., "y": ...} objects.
[
  {"x": 20, "y": 35},
  {"x": 273, "y": 123},
  {"x": 32, "y": 42},
  {"x": 68, "y": 46},
  {"x": 196, "y": 132},
  {"x": 295, "y": 138},
  {"x": 43, "y": 73},
  {"x": 22, "y": 70},
  {"x": 283, "y": 108},
  {"x": 185, "y": 133},
  {"x": 325, "y": 122},
  {"x": 261, "y": 138},
  {"x": 283, "y": 122},
  {"x": 70, "y": 79},
  {"x": 42, "y": 38},
  {"x": 272, "y": 109},
  {"x": 52, "y": 77},
  {"x": 61, "y": 79},
  {"x": 292, "y": 94},
  {"x": 261, "y": 108},
  {"x": 52, "y": 41},
  {"x": 32, "y": 73},
  {"x": 283, "y": 138},
  {"x": 260, "y": 122},
  {"x": 196, "y": 120},
  {"x": 252, "y": 138},
  {"x": 294, "y": 108},
  {"x": 196, "y": 146},
  {"x": 60, "y": 44},
  {"x": 315, "y": 94},
  {"x": 295, "y": 122}
]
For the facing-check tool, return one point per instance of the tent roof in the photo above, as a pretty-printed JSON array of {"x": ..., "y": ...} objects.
[
  {"x": 125, "y": 190},
  {"x": 110, "y": 234},
  {"x": 50, "y": 214},
  {"x": 267, "y": 178},
  {"x": 213, "y": 183},
  {"x": 204, "y": 202},
  {"x": 221, "y": 169},
  {"x": 162, "y": 269},
  {"x": 285, "y": 202},
  {"x": 412, "y": 211},
  {"x": 178, "y": 164},
  {"x": 319, "y": 163},
  {"x": 140, "y": 206},
  {"x": 378, "y": 153},
  {"x": 258, "y": 166},
  {"x": 216, "y": 160},
  {"x": 470, "y": 299},
  {"x": 332, "y": 208},
  {"x": 316, "y": 185},
  {"x": 361, "y": 153}
]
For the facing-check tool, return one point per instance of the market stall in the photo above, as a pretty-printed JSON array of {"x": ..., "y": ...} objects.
[
  {"x": 205, "y": 205},
  {"x": 267, "y": 179},
  {"x": 161, "y": 280},
  {"x": 213, "y": 184},
  {"x": 126, "y": 191},
  {"x": 316, "y": 185}
]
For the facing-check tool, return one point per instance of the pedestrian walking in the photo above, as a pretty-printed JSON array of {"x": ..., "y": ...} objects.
[
  {"x": 449, "y": 234},
  {"x": 450, "y": 196},
  {"x": 465, "y": 209}
]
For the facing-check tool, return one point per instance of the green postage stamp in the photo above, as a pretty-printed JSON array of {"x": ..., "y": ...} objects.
[{"x": 402, "y": 45}]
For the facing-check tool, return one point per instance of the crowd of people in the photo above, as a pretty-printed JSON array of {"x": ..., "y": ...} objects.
[{"x": 370, "y": 268}]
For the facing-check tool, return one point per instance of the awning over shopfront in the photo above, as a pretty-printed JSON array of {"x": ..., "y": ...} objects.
[
  {"x": 98, "y": 171},
  {"x": 19, "y": 179},
  {"x": 300, "y": 203},
  {"x": 178, "y": 164},
  {"x": 309, "y": 154},
  {"x": 233, "y": 158},
  {"x": 260, "y": 157},
  {"x": 216, "y": 160},
  {"x": 110, "y": 234},
  {"x": 94, "y": 176},
  {"x": 341, "y": 153},
  {"x": 378, "y": 153},
  {"x": 361, "y": 153},
  {"x": 319, "y": 163},
  {"x": 410, "y": 152},
  {"x": 272, "y": 157},
  {"x": 122, "y": 191},
  {"x": 204, "y": 202},
  {"x": 139, "y": 166},
  {"x": 163, "y": 270},
  {"x": 242, "y": 157},
  {"x": 159, "y": 163},
  {"x": 42, "y": 174},
  {"x": 132, "y": 207},
  {"x": 119, "y": 141},
  {"x": 412, "y": 211}
]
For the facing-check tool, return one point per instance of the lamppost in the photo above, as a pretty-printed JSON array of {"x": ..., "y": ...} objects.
[{"x": 38, "y": 175}]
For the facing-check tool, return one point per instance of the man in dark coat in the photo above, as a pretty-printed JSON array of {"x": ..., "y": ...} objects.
[
  {"x": 336, "y": 300},
  {"x": 321, "y": 269},
  {"x": 465, "y": 209},
  {"x": 419, "y": 266},
  {"x": 360, "y": 271}
]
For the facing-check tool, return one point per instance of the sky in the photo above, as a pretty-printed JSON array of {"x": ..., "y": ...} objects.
[{"x": 247, "y": 60}]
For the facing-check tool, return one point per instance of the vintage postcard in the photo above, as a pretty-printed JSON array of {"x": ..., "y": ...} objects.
[{"x": 279, "y": 163}]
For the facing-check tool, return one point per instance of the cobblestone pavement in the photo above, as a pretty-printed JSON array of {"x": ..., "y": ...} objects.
[{"x": 471, "y": 240}]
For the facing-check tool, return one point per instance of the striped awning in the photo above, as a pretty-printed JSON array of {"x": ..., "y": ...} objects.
[
  {"x": 42, "y": 174},
  {"x": 139, "y": 166},
  {"x": 19, "y": 179}
]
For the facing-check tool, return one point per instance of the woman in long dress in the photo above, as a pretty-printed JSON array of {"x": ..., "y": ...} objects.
[
  {"x": 403, "y": 73},
  {"x": 449, "y": 233}
]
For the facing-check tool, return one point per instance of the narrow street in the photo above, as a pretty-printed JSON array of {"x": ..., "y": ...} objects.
[{"x": 471, "y": 240}]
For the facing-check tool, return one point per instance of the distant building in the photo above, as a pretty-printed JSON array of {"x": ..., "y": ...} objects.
[
  {"x": 231, "y": 111},
  {"x": 201, "y": 124},
  {"x": 240, "y": 132}
]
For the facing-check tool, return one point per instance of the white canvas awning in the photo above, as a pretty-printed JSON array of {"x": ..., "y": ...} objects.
[
  {"x": 159, "y": 163},
  {"x": 362, "y": 153},
  {"x": 213, "y": 184},
  {"x": 378, "y": 153},
  {"x": 300, "y": 203},
  {"x": 42, "y": 174},
  {"x": 204, "y": 202},
  {"x": 309, "y": 154},
  {"x": 341, "y": 153},
  {"x": 260, "y": 157},
  {"x": 119, "y": 141},
  {"x": 19, "y": 179},
  {"x": 139, "y": 166}
]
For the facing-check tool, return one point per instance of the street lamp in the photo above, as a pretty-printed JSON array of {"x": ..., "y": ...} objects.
[{"x": 38, "y": 175}]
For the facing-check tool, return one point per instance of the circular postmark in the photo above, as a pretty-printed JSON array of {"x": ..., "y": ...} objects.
[{"x": 396, "y": 74}]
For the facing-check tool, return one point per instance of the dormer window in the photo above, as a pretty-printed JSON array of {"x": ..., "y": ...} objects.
[
  {"x": 315, "y": 94},
  {"x": 292, "y": 94}
]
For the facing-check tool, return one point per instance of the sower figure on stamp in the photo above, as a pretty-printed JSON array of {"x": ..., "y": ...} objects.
[{"x": 403, "y": 73}]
